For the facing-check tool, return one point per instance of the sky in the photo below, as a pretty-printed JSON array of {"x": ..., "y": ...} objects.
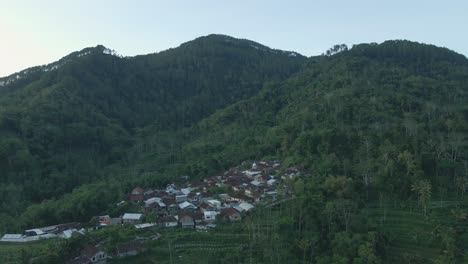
[{"x": 37, "y": 32}]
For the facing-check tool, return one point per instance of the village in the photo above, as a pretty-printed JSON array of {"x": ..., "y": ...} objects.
[{"x": 226, "y": 197}]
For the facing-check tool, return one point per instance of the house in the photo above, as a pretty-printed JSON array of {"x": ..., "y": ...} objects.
[
  {"x": 171, "y": 188},
  {"x": 272, "y": 194},
  {"x": 129, "y": 249},
  {"x": 129, "y": 218},
  {"x": 171, "y": 205},
  {"x": 198, "y": 218},
  {"x": 69, "y": 233},
  {"x": 186, "y": 191},
  {"x": 271, "y": 182},
  {"x": 231, "y": 214},
  {"x": 151, "y": 201},
  {"x": 224, "y": 197},
  {"x": 94, "y": 255},
  {"x": 186, "y": 220},
  {"x": 244, "y": 207},
  {"x": 210, "y": 216},
  {"x": 214, "y": 203},
  {"x": 115, "y": 221},
  {"x": 181, "y": 198},
  {"x": 34, "y": 232},
  {"x": 148, "y": 194},
  {"x": 206, "y": 207},
  {"x": 12, "y": 238},
  {"x": 168, "y": 221},
  {"x": 144, "y": 226},
  {"x": 187, "y": 207},
  {"x": 104, "y": 220},
  {"x": 137, "y": 195},
  {"x": 155, "y": 204},
  {"x": 193, "y": 198},
  {"x": 256, "y": 183},
  {"x": 79, "y": 260}
]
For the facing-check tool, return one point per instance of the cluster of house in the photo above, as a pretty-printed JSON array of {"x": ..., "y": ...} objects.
[
  {"x": 194, "y": 205},
  {"x": 61, "y": 230}
]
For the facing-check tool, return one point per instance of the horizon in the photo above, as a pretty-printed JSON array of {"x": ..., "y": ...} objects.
[
  {"x": 350, "y": 46},
  {"x": 60, "y": 28}
]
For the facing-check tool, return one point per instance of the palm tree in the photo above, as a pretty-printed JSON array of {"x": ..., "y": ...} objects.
[{"x": 423, "y": 189}]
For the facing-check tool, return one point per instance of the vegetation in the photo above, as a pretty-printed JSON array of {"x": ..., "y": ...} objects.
[{"x": 380, "y": 130}]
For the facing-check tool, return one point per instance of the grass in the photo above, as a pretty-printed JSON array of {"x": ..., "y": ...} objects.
[{"x": 12, "y": 253}]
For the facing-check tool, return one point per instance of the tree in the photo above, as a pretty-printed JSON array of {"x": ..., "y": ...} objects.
[
  {"x": 462, "y": 183},
  {"x": 422, "y": 188}
]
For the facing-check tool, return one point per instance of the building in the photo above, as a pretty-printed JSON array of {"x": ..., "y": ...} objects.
[
  {"x": 168, "y": 221},
  {"x": 186, "y": 220},
  {"x": 137, "y": 195},
  {"x": 93, "y": 255},
  {"x": 12, "y": 238},
  {"x": 187, "y": 207},
  {"x": 231, "y": 214},
  {"x": 128, "y": 218},
  {"x": 210, "y": 216},
  {"x": 181, "y": 198},
  {"x": 129, "y": 249},
  {"x": 104, "y": 220}
]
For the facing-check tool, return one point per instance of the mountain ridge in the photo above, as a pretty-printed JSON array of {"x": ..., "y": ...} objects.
[{"x": 373, "y": 125}]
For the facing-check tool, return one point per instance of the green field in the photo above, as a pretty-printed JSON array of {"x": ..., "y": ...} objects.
[
  {"x": 412, "y": 236},
  {"x": 13, "y": 253}
]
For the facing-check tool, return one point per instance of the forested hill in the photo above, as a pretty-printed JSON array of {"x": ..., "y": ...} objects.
[
  {"x": 63, "y": 122},
  {"x": 386, "y": 115},
  {"x": 373, "y": 124}
]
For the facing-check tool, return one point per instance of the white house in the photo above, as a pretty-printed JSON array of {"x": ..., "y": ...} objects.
[
  {"x": 129, "y": 218},
  {"x": 187, "y": 206},
  {"x": 210, "y": 215}
]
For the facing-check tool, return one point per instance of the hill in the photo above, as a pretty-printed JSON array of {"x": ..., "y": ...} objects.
[
  {"x": 64, "y": 122},
  {"x": 380, "y": 128}
]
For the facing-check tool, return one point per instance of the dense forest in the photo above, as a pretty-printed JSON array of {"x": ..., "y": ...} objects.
[{"x": 376, "y": 127}]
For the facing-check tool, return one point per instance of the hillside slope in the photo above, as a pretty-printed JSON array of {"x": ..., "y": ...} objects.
[
  {"x": 62, "y": 123},
  {"x": 381, "y": 129}
]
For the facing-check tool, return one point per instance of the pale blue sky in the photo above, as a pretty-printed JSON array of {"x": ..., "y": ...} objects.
[{"x": 37, "y": 32}]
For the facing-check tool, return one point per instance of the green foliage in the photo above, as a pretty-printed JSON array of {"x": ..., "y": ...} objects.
[{"x": 373, "y": 124}]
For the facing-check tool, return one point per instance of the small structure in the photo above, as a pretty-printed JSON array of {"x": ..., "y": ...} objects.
[
  {"x": 34, "y": 232},
  {"x": 168, "y": 221},
  {"x": 94, "y": 255},
  {"x": 144, "y": 226},
  {"x": 79, "y": 260},
  {"x": 137, "y": 195},
  {"x": 12, "y": 238},
  {"x": 129, "y": 218},
  {"x": 67, "y": 234},
  {"x": 186, "y": 220},
  {"x": 210, "y": 216},
  {"x": 129, "y": 249},
  {"x": 104, "y": 220},
  {"x": 198, "y": 218},
  {"x": 244, "y": 207},
  {"x": 214, "y": 203},
  {"x": 181, "y": 198},
  {"x": 115, "y": 221},
  {"x": 187, "y": 207},
  {"x": 171, "y": 188},
  {"x": 231, "y": 214}
]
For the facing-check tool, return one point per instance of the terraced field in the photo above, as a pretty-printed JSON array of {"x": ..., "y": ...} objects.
[
  {"x": 15, "y": 253},
  {"x": 411, "y": 235},
  {"x": 190, "y": 246}
]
